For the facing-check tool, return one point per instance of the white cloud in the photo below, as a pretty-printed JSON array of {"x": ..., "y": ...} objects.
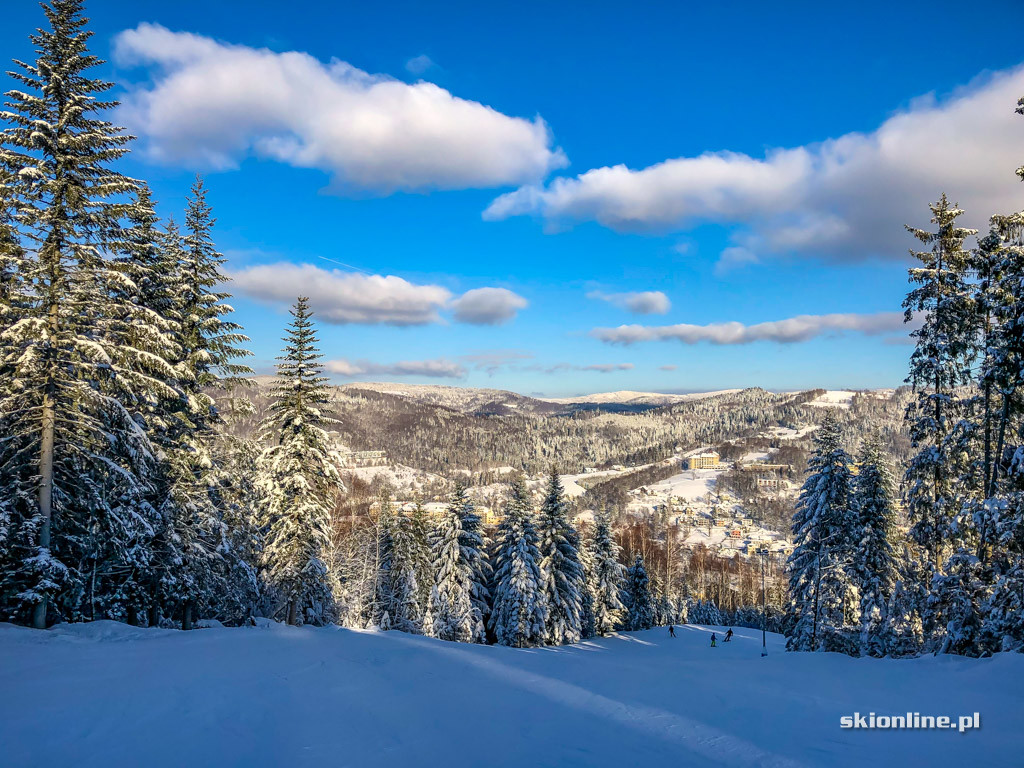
[
  {"x": 341, "y": 297},
  {"x": 345, "y": 297},
  {"x": 488, "y": 306},
  {"x": 637, "y": 302},
  {"x": 215, "y": 103},
  {"x": 595, "y": 368},
  {"x": 788, "y": 331},
  {"x": 667, "y": 367},
  {"x": 491, "y": 361},
  {"x": 417, "y": 65},
  {"x": 439, "y": 368},
  {"x": 734, "y": 257},
  {"x": 842, "y": 198}
]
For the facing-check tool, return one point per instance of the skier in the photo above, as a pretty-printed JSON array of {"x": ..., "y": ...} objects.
[
  {"x": 714, "y": 640},
  {"x": 671, "y": 631},
  {"x": 728, "y": 635}
]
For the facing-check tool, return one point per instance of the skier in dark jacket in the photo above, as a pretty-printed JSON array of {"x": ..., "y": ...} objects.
[
  {"x": 671, "y": 631},
  {"x": 714, "y": 640},
  {"x": 728, "y": 635}
]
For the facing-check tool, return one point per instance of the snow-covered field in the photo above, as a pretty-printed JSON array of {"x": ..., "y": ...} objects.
[
  {"x": 689, "y": 484},
  {"x": 106, "y": 694},
  {"x": 834, "y": 398}
]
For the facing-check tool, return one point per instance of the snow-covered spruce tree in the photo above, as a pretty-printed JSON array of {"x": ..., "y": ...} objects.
[
  {"x": 383, "y": 540},
  {"x": 640, "y": 610},
  {"x": 405, "y": 612},
  {"x": 299, "y": 478},
  {"x": 74, "y": 463},
  {"x": 396, "y": 601},
  {"x": 560, "y": 567},
  {"x": 608, "y": 579},
  {"x": 209, "y": 346},
  {"x": 519, "y": 613},
  {"x": 902, "y": 633},
  {"x": 824, "y": 537},
  {"x": 450, "y": 612},
  {"x": 939, "y": 366},
  {"x": 1001, "y": 532},
  {"x": 421, "y": 534},
  {"x": 238, "y": 497},
  {"x": 589, "y": 565},
  {"x": 875, "y": 569},
  {"x": 473, "y": 557}
]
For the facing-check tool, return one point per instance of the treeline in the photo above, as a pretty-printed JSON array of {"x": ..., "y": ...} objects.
[{"x": 539, "y": 581}]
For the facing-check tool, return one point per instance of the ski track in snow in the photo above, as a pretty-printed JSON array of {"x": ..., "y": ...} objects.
[{"x": 699, "y": 738}]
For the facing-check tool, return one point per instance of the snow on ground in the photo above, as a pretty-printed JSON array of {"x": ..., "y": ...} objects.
[
  {"x": 788, "y": 433},
  {"x": 834, "y": 398},
  {"x": 574, "y": 489},
  {"x": 691, "y": 484},
  {"x": 399, "y": 476},
  {"x": 109, "y": 695}
]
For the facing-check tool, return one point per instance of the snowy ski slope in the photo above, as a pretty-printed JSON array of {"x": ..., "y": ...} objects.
[{"x": 106, "y": 694}]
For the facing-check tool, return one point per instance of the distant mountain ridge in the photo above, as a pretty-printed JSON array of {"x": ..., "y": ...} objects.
[{"x": 503, "y": 402}]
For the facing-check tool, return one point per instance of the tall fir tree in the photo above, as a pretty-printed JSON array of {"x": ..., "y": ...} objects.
[
  {"x": 608, "y": 579},
  {"x": 589, "y": 564},
  {"x": 299, "y": 478},
  {"x": 875, "y": 567},
  {"x": 421, "y": 534},
  {"x": 397, "y": 601},
  {"x": 992, "y": 591},
  {"x": 561, "y": 570},
  {"x": 450, "y": 612},
  {"x": 824, "y": 538},
  {"x": 473, "y": 557},
  {"x": 940, "y": 366},
  {"x": 74, "y": 463},
  {"x": 638, "y": 591},
  {"x": 519, "y": 613}
]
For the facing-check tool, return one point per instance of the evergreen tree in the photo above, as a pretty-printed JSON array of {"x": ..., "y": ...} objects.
[
  {"x": 824, "y": 537},
  {"x": 451, "y": 615},
  {"x": 641, "y": 612},
  {"x": 560, "y": 567},
  {"x": 383, "y": 592},
  {"x": 74, "y": 463},
  {"x": 396, "y": 604},
  {"x": 902, "y": 633},
  {"x": 473, "y": 557},
  {"x": 939, "y": 367},
  {"x": 519, "y": 614},
  {"x": 874, "y": 564},
  {"x": 421, "y": 533},
  {"x": 609, "y": 612},
  {"x": 991, "y": 589},
  {"x": 589, "y": 565},
  {"x": 299, "y": 477}
]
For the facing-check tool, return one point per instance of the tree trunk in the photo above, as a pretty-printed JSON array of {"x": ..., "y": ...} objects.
[
  {"x": 154, "y": 614},
  {"x": 47, "y": 438},
  {"x": 186, "y": 615},
  {"x": 45, "y": 493},
  {"x": 133, "y": 615},
  {"x": 292, "y": 611}
]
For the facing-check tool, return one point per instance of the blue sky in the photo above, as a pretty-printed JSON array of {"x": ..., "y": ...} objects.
[{"x": 754, "y": 166}]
